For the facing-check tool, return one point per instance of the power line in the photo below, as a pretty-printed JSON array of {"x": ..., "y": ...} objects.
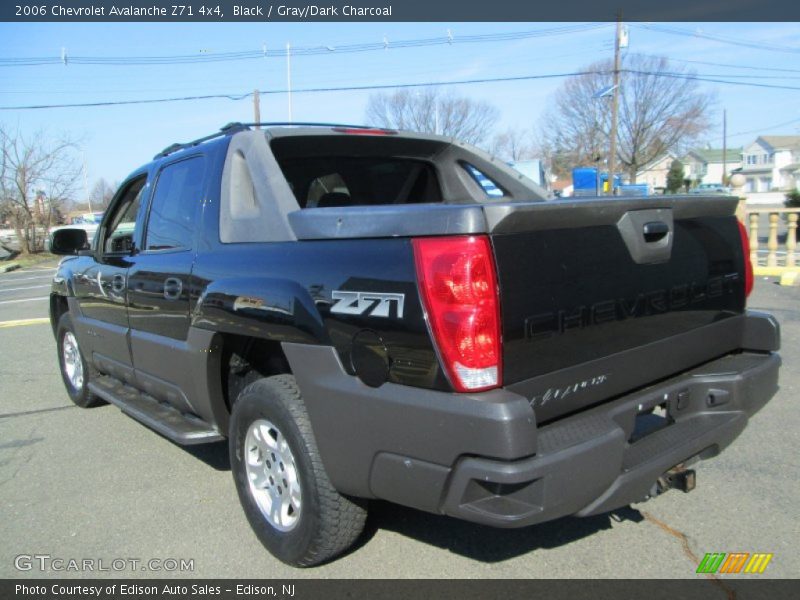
[
  {"x": 711, "y": 79},
  {"x": 700, "y": 76},
  {"x": 302, "y": 90},
  {"x": 762, "y": 129},
  {"x": 310, "y": 90},
  {"x": 721, "y": 39},
  {"x": 301, "y": 50},
  {"x": 716, "y": 64},
  {"x": 396, "y": 86},
  {"x": 124, "y": 102}
]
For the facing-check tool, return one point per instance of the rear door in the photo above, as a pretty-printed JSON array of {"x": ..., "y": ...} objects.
[{"x": 159, "y": 280}]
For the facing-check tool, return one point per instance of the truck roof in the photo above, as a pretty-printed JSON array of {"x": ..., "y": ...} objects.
[{"x": 287, "y": 129}]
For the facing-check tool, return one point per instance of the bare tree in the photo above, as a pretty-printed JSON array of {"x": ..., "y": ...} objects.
[
  {"x": 101, "y": 194},
  {"x": 37, "y": 175},
  {"x": 513, "y": 145},
  {"x": 431, "y": 111},
  {"x": 662, "y": 109}
]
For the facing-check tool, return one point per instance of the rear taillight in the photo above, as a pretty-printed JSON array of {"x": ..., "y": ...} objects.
[
  {"x": 458, "y": 285},
  {"x": 748, "y": 266}
]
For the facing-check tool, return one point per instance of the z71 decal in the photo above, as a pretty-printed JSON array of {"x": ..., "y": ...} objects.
[{"x": 373, "y": 304}]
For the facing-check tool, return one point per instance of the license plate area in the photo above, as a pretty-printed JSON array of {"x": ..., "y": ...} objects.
[{"x": 649, "y": 420}]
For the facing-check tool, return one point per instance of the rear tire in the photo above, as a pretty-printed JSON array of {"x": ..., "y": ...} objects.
[
  {"x": 285, "y": 492},
  {"x": 75, "y": 371}
]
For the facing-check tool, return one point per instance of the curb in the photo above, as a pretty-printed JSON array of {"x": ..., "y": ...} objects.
[
  {"x": 9, "y": 267},
  {"x": 790, "y": 278}
]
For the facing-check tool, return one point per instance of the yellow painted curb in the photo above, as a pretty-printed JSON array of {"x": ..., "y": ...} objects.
[
  {"x": 790, "y": 278},
  {"x": 768, "y": 271},
  {"x": 19, "y": 322}
]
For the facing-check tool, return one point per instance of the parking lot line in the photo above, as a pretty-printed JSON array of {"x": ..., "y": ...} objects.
[
  {"x": 18, "y": 322},
  {"x": 24, "y": 300},
  {"x": 30, "y": 270},
  {"x": 15, "y": 279},
  {"x": 29, "y": 287}
]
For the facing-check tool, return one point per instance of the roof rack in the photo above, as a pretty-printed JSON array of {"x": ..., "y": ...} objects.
[
  {"x": 306, "y": 124},
  {"x": 236, "y": 127},
  {"x": 228, "y": 129}
]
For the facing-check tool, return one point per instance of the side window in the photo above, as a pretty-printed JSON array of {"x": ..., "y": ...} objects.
[
  {"x": 120, "y": 228},
  {"x": 489, "y": 186},
  {"x": 179, "y": 190}
]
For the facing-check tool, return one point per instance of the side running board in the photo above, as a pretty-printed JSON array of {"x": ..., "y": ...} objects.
[{"x": 181, "y": 428}]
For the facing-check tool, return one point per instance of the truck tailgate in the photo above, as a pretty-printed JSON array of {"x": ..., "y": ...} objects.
[{"x": 601, "y": 296}]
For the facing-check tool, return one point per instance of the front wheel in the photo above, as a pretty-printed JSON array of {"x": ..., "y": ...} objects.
[
  {"x": 75, "y": 371},
  {"x": 284, "y": 490}
]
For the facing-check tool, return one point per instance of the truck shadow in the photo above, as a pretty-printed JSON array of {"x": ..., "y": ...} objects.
[
  {"x": 215, "y": 455},
  {"x": 479, "y": 542}
]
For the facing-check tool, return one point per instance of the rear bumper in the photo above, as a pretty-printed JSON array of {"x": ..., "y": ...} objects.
[
  {"x": 586, "y": 465},
  {"x": 483, "y": 457}
]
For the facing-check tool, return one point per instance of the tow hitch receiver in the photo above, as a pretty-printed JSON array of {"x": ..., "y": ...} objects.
[{"x": 677, "y": 478}]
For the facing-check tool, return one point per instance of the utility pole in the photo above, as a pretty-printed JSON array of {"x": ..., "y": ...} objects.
[
  {"x": 289, "y": 76},
  {"x": 86, "y": 182},
  {"x": 724, "y": 146},
  {"x": 257, "y": 108},
  {"x": 612, "y": 159}
]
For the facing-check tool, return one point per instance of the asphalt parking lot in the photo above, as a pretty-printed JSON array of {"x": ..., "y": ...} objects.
[{"x": 95, "y": 484}]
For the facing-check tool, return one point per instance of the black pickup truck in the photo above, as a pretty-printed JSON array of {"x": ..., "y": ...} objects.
[{"x": 365, "y": 313}]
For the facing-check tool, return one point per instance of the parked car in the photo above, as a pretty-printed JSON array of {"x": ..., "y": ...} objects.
[
  {"x": 365, "y": 313},
  {"x": 710, "y": 188}
]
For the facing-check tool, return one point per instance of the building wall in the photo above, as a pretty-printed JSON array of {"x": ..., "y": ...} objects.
[
  {"x": 713, "y": 173},
  {"x": 656, "y": 175}
]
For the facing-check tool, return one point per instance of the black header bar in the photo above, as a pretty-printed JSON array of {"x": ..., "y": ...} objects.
[{"x": 450, "y": 11}]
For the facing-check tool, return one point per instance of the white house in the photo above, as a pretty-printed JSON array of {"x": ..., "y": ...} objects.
[
  {"x": 705, "y": 165},
  {"x": 772, "y": 162}
]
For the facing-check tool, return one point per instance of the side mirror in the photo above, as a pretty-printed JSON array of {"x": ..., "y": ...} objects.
[{"x": 69, "y": 241}]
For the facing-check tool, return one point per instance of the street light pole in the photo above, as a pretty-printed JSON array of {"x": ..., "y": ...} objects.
[
  {"x": 86, "y": 182},
  {"x": 724, "y": 147},
  {"x": 612, "y": 159},
  {"x": 289, "y": 76}
]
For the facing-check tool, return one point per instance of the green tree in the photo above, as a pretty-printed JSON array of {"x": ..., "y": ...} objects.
[{"x": 675, "y": 177}]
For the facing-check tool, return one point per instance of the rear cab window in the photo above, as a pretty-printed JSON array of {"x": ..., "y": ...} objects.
[
  {"x": 336, "y": 171},
  {"x": 490, "y": 187}
]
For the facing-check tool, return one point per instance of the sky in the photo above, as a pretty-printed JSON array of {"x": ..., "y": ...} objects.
[{"x": 114, "y": 140}]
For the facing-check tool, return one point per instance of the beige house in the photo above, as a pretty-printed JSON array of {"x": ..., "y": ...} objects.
[{"x": 655, "y": 174}]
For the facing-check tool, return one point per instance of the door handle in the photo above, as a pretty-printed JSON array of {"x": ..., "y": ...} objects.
[
  {"x": 172, "y": 288},
  {"x": 118, "y": 283},
  {"x": 654, "y": 231}
]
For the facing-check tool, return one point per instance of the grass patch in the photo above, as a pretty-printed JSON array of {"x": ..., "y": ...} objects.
[{"x": 33, "y": 260}]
